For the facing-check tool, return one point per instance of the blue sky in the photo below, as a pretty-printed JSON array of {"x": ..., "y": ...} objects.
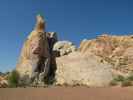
[{"x": 73, "y": 20}]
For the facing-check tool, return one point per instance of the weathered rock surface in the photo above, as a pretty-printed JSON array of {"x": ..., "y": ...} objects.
[
  {"x": 35, "y": 56},
  {"x": 3, "y": 82},
  {"x": 101, "y": 46},
  {"x": 116, "y": 50},
  {"x": 76, "y": 69},
  {"x": 64, "y": 47},
  {"x": 94, "y": 63}
]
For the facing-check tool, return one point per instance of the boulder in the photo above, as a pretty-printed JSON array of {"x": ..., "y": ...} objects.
[
  {"x": 64, "y": 47},
  {"x": 76, "y": 69},
  {"x": 3, "y": 82}
]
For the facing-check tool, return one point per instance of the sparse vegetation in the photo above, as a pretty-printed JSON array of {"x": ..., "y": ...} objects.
[
  {"x": 113, "y": 83},
  {"x": 130, "y": 77},
  {"x": 126, "y": 82},
  {"x": 119, "y": 78},
  {"x": 13, "y": 79},
  {"x": 123, "y": 81}
]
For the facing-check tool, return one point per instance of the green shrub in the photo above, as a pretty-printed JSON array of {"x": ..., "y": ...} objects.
[
  {"x": 126, "y": 82},
  {"x": 119, "y": 78},
  {"x": 130, "y": 77},
  {"x": 113, "y": 83},
  {"x": 13, "y": 79}
]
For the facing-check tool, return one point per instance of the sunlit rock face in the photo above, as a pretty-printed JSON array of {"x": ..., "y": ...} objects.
[
  {"x": 64, "y": 47},
  {"x": 3, "y": 81},
  {"x": 35, "y": 54},
  {"x": 76, "y": 69},
  {"x": 101, "y": 46},
  {"x": 94, "y": 63},
  {"x": 116, "y": 50},
  {"x": 81, "y": 66}
]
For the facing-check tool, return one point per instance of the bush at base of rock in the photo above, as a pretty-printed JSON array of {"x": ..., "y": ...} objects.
[
  {"x": 126, "y": 82},
  {"x": 122, "y": 81},
  {"x": 13, "y": 79}
]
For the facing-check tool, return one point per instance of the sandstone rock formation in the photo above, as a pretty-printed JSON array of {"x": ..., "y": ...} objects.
[
  {"x": 64, "y": 47},
  {"x": 35, "y": 56},
  {"x": 76, "y": 69},
  {"x": 94, "y": 63},
  {"x": 116, "y": 50},
  {"x": 3, "y": 82},
  {"x": 101, "y": 46}
]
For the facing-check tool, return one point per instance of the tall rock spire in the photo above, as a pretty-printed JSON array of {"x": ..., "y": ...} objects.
[
  {"x": 39, "y": 27},
  {"x": 40, "y": 24},
  {"x": 35, "y": 54}
]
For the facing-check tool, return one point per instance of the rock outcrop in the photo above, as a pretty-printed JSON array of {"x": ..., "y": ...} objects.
[
  {"x": 64, "y": 47},
  {"x": 94, "y": 63},
  {"x": 34, "y": 60},
  {"x": 116, "y": 50},
  {"x": 76, "y": 69},
  {"x": 3, "y": 82},
  {"x": 101, "y": 46}
]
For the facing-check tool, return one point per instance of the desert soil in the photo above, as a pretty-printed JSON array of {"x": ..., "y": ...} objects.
[{"x": 67, "y": 93}]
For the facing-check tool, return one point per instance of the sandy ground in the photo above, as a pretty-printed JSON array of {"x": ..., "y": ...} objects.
[{"x": 67, "y": 93}]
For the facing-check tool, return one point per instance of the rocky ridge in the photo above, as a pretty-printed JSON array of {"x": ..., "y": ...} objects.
[
  {"x": 116, "y": 50},
  {"x": 94, "y": 63}
]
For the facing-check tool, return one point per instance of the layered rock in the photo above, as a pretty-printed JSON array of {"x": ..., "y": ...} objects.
[
  {"x": 35, "y": 56},
  {"x": 101, "y": 46},
  {"x": 116, "y": 50}
]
